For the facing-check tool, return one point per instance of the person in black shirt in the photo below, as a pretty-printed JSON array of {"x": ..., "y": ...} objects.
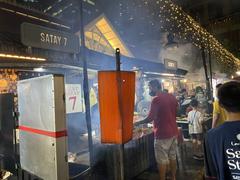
[{"x": 222, "y": 144}]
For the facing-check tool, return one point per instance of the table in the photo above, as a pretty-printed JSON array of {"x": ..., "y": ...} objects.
[{"x": 184, "y": 125}]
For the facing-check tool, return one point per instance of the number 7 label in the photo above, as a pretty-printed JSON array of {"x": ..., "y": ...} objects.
[{"x": 73, "y": 99}]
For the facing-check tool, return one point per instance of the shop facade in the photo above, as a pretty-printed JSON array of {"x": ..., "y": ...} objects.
[{"x": 25, "y": 56}]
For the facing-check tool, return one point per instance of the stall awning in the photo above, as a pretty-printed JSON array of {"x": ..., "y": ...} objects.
[{"x": 102, "y": 37}]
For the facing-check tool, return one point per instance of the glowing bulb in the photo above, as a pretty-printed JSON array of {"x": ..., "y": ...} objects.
[{"x": 39, "y": 69}]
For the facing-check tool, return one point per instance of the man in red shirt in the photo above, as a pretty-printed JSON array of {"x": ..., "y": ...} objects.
[{"x": 163, "y": 114}]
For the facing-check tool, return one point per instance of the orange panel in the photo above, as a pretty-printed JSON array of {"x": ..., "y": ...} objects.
[{"x": 116, "y": 104}]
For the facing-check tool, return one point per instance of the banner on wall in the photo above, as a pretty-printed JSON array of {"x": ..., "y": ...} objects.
[{"x": 74, "y": 101}]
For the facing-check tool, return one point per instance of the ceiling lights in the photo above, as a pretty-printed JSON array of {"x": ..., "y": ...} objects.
[{"x": 10, "y": 56}]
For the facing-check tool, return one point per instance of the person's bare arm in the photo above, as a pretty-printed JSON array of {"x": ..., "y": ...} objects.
[
  {"x": 152, "y": 113},
  {"x": 215, "y": 120},
  {"x": 144, "y": 121}
]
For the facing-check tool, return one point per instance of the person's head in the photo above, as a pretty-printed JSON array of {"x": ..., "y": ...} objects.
[
  {"x": 199, "y": 89},
  {"x": 229, "y": 96},
  {"x": 194, "y": 103},
  {"x": 165, "y": 90},
  {"x": 154, "y": 87},
  {"x": 183, "y": 92},
  {"x": 217, "y": 87}
]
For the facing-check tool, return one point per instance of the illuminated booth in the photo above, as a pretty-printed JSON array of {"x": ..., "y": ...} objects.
[{"x": 36, "y": 45}]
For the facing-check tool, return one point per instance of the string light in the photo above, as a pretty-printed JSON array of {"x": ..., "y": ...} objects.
[
  {"x": 171, "y": 18},
  {"x": 188, "y": 28}
]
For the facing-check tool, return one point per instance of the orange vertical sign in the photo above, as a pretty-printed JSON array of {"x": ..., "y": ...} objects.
[{"x": 116, "y": 104}]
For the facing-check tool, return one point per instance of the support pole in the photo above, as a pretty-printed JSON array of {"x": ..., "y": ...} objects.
[
  {"x": 118, "y": 61},
  {"x": 82, "y": 57},
  {"x": 119, "y": 79},
  {"x": 210, "y": 69},
  {"x": 206, "y": 73}
]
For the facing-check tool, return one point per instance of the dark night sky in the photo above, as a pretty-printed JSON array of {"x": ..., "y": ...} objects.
[{"x": 138, "y": 22}]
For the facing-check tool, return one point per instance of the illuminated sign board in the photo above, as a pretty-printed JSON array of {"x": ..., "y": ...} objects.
[
  {"x": 170, "y": 64},
  {"x": 46, "y": 38}
]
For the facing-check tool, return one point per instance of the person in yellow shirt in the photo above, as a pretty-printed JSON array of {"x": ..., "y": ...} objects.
[
  {"x": 93, "y": 97},
  {"x": 219, "y": 115}
]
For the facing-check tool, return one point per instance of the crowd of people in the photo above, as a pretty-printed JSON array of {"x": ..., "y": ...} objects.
[
  {"x": 184, "y": 98},
  {"x": 220, "y": 146}
]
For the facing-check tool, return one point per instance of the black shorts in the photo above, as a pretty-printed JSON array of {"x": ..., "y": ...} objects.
[{"x": 198, "y": 136}]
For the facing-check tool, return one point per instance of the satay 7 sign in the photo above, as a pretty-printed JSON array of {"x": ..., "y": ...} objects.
[
  {"x": 74, "y": 101},
  {"x": 46, "y": 38}
]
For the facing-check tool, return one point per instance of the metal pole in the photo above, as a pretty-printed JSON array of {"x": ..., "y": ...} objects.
[
  {"x": 82, "y": 56},
  {"x": 118, "y": 61},
  {"x": 206, "y": 73},
  {"x": 210, "y": 69},
  {"x": 119, "y": 79},
  {"x": 120, "y": 175}
]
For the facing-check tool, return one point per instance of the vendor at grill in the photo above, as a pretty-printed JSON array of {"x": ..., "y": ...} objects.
[{"x": 163, "y": 114}]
